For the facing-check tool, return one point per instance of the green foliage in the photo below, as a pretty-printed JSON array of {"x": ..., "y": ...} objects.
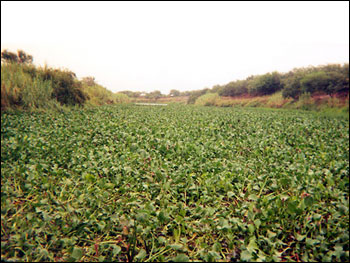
[
  {"x": 20, "y": 89},
  {"x": 276, "y": 100},
  {"x": 329, "y": 79},
  {"x": 216, "y": 89},
  {"x": 175, "y": 93},
  {"x": 121, "y": 98},
  {"x": 37, "y": 94},
  {"x": 66, "y": 88},
  {"x": 25, "y": 86},
  {"x": 235, "y": 88},
  {"x": 329, "y": 83},
  {"x": 305, "y": 102},
  {"x": 292, "y": 87},
  {"x": 266, "y": 84},
  {"x": 89, "y": 81},
  {"x": 194, "y": 95},
  {"x": 132, "y": 94},
  {"x": 154, "y": 95},
  {"x": 99, "y": 95},
  {"x": 209, "y": 99},
  {"x": 177, "y": 183}
]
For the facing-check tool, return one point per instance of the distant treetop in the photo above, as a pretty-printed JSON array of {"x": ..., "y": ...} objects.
[{"x": 21, "y": 57}]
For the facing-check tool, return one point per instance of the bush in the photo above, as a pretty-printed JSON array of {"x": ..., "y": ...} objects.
[
  {"x": 305, "y": 102},
  {"x": 234, "y": 88},
  {"x": 194, "y": 95},
  {"x": 97, "y": 95},
  {"x": 66, "y": 88},
  {"x": 208, "y": 99},
  {"x": 277, "y": 100},
  {"x": 121, "y": 98},
  {"x": 266, "y": 84},
  {"x": 325, "y": 82}
]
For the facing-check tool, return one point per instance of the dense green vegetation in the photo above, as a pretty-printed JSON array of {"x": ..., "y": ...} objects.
[
  {"x": 208, "y": 99},
  {"x": 138, "y": 183},
  {"x": 25, "y": 86},
  {"x": 306, "y": 101},
  {"x": 99, "y": 95},
  {"x": 313, "y": 88},
  {"x": 135, "y": 183},
  {"x": 332, "y": 79}
]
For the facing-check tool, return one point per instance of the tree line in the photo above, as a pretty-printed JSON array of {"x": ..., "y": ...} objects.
[{"x": 328, "y": 79}]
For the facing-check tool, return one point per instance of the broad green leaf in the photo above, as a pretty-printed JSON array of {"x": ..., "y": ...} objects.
[
  {"x": 253, "y": 197},
  {"x": 246, "y": 255},
  {"x": 252, "y": 246},
  {"x": 230, "y": 194},
  {"x": 308, "y": 201},
  {"x": 181, "y": 258},
  {"x": 261, "y": 256},
  {"x": 300, "y": 237},
  {"x": 141, "y": 255},
  {"x": 311, "y": 242},
  {"x": 271, "y": 234},
  {"x": 251, "y": 228},
  {"x": 214, "y": 256},
  {"x": 116, "y": 249},
  {"x": 257, "y": 223},
  {"x": 338, "y": 251},
  {"x": 161, "y": 240},
  {"x": 109, "y": 185},
  {"x": 208, "y": 180},
  {"x": 77, "y": 253},
  {"x": 176, "y": 246}
]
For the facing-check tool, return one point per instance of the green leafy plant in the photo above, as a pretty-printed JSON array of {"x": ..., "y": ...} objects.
[{"x": 177, "y": 183}]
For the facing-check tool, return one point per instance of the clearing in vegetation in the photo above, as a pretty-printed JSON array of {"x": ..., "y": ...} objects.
[{"x": 181, "y": 183}]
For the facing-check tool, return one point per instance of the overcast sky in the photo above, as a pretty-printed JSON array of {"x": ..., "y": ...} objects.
[{"x": 147, "y": 46}]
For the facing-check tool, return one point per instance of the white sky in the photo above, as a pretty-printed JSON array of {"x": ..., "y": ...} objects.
[{"x": 147, "y": 46}]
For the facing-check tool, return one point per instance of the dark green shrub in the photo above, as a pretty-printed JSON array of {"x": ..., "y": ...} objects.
[
  {"x": 66, "y": 88},
  {"x": 266, "y": 84}
]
